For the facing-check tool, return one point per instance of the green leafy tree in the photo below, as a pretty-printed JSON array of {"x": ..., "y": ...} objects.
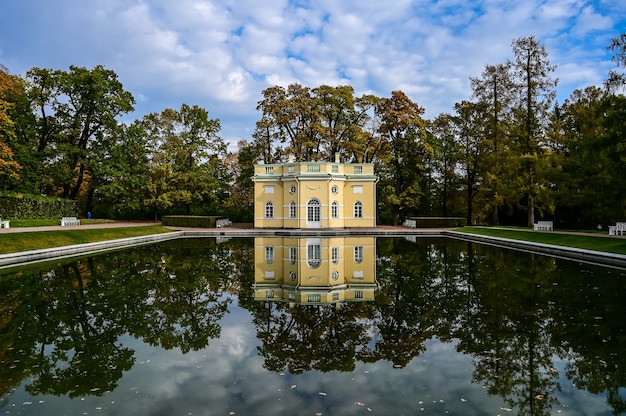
[
  {"x": 186, "y": 161},
  {"x": 124, "y": 170},
  {"x": 404, "y": 130}
]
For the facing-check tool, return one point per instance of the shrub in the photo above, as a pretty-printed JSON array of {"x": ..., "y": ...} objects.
[
  {"x": 439, "y": 222},
  {"x": 195, "y": 221},
  {"x": 32, "y": 207}
]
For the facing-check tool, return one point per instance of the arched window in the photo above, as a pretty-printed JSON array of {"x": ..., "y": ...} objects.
[
  {"x": 334, "y": 209},
  {"x": 269, "y": 209},
  {"x": 292, "y": 209},
  {"x": 313, "y": 208},
  {"x": 358, "y": 209}
]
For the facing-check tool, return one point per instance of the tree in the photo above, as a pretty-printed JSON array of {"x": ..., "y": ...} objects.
[
  {"x": 447, "y": 157},
  {"x": 241, "y": 167},
  {"x": 536, "y": 91},
  {"x": 9, "y": 88},
  {"x": 471, "y": 126},
  {"x": 495, "y": 91},
  {"x": 124, "y": 170},
  {"x": 617, "y": 46},
  {"x": 186, "y": 163},
  {"x": 404, "y": 130}
]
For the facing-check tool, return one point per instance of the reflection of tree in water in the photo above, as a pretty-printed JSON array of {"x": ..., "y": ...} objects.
[
  {"x": 66, "y": 321},
  {"x": 506, "y": 328},
  {"x": 589, "y": 325},
  {"x": 310, "y": 337},
  {"x": 512, "y": 312}
]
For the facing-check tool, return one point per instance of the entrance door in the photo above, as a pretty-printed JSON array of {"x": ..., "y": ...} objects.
[{"x": 313, "y": 213}]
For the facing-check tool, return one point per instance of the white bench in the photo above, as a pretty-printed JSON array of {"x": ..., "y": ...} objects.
[
  {"x": 224, "y": 222},
  {"x": 544, "y": 226},
  {"x": 4, "y": 224},
  {"x": 410, "y": 223},
  {"x": 65, "y": 221},
  {"x": 619, "y": 228}
]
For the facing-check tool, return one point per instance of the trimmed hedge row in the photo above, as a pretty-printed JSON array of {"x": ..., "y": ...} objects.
[
  {"x": 194, "y": 221},
  {"x": 34, "y": 207},
  {"x": 439, "y": 222}
]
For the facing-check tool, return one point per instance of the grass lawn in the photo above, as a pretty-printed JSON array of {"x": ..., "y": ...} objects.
[
  {"x": 589, "y": 242},
  {"x": 16, "y": 242}
]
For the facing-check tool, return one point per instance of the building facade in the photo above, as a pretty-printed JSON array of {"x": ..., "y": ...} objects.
[{"x": 314, "y": 195}]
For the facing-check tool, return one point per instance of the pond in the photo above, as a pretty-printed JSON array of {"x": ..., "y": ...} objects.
[{"x": 342, "y": 326}]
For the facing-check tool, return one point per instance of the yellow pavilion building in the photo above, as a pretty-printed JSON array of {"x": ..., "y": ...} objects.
[
  {"x": 310, "y": 270},
  {"x": 314, "y": 195}
]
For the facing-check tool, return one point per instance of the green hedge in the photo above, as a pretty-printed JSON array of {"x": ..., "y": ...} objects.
[
  {"x": 195, "y": 221},
  {"x": 439, "y": 222},
  {"x": 34, "y": 207}
]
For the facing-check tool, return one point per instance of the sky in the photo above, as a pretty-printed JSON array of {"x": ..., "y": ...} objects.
[{"x": 221, "y": 54}]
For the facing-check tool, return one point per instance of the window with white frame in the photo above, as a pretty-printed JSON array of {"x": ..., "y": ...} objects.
[
  {"x": 334, "y": 255},
  {"x": 314, "y": 255},
  {"x": 313, "y": 208},
  {"x": 314, "y": 297},
  {"x": 292, "y": 255},
  {"x": 358, "y": 169},
  {"x": 269, "y": 254},
  {"x": 269, "y": 209},
  {"x": 358, "y": 209},
  {"x": 292, "y": 209},
  {"x": 358, "y": 254},
  {"x": 358, "y": 294},
  {"x": 334, "y": 209}
]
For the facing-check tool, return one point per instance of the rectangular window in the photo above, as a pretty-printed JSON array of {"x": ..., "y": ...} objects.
[
  {"x": 269, "y": 294},
  {"x": 358, "y": 294},
  {"x": 357, "y": 189},
  {"x": 291, "y": 169},
  {"x": 314, "y": 297},
  {"x": 292, "y": 210},
  {"x": 334, "y": 210},
  {"x": 335, "y": 169},
  {"x": 314, "y": 255},
  {"x": 358, "y": 169},
  {"x": 269, "y": 169},
  {"x": 335, "y": 255},
  {"x": 269, "y": 210},
  {"x": 269, "y": 189},
  {"x": 292, "y": 255},
  {"x": 269, "y": 254},
  {"x": 335, "y": 296},
  {"x": 358, "y": 254},
  {"x": 313, "y": 168},
  {"x": 358, "y": 274},
  {"x": 358, "y": 210}
]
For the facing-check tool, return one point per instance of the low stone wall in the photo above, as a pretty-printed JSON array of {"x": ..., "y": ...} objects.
[{"x": 33, "y": 256}]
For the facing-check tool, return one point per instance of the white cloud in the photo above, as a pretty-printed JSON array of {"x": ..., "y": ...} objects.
[{"x": 222, "y": 53}]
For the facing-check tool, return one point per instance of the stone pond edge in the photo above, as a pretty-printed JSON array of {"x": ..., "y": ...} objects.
[{"x": 34, "y": 256}]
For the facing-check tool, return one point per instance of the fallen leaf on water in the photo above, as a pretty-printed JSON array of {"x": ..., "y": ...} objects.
[
  {"x": 293, "y": 386},
  {"x": 322, "y": 393},
  {"x": 463, "y": 400},
  {"x": 360, "y": 404}
]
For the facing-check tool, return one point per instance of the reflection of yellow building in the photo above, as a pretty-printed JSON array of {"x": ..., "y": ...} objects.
[
  {"x": 314, "y": 195},
  {"x": 315, "y": 270}
]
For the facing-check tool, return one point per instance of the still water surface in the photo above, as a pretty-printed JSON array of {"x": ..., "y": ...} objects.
[{"x": 205, "y": 327}]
